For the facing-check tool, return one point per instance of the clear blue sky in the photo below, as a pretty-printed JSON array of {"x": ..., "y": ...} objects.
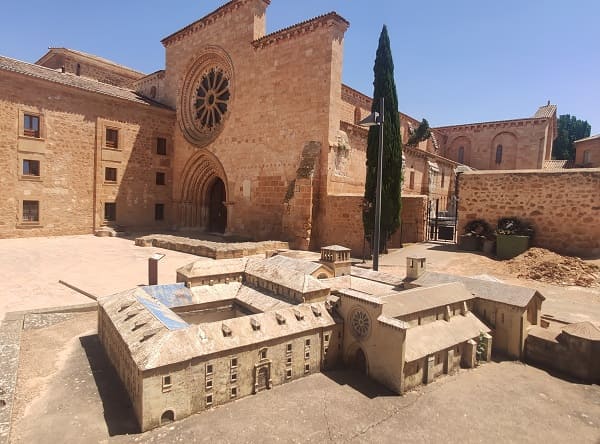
[{"x": 456, "y": 61}]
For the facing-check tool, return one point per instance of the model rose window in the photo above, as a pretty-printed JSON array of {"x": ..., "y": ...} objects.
[
  {"x": 360, "y": 323},
  {"x": 212, "y": 96}
]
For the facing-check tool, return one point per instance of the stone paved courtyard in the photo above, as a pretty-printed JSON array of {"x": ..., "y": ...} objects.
[{"x": 67, "y": 393}]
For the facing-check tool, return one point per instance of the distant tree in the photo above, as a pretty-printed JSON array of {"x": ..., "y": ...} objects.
[
  {"x": 570, "y": 129},
  {"x": 421, "y": 133},
  {"x": 384, "y": 86}
]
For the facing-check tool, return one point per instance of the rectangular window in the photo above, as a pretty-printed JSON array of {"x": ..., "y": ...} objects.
[
  {"x": 209, "y": 384},
  {"x": 166, "y": 382},
  {"x": 209, "y": 400},
  {"x": 233, "y": 377},
  {"x": 31, "y": 168},
  {"x": 411, "y": 182},
  {"x": 31, "y": 211},
  {"x": 307, "y": 354},
  {"x": 31, "y": 125},
  {"x": 234, "y": 362},
  {"x": 306, "y": 368},
  {"x": 161, "y": 146},
  {"x": 110, "y": 211},
  {"x": 288, "y": 348},
  {"x": 110, "y": 174},
  {"x": 160, "y": 178},
  {"x": 159, "y": 212},
  {"x": 307, "y": 343},
  {"x": 326, "y": 338},
  {"x": 263, "y": 354},
  {"x": 209, "y": 369},
  {"x": 288, "y": 360},
  {"x": 112, "y": 138},
  {"x": 288, "y": 373},
  {"x": 233, "y": 392}
]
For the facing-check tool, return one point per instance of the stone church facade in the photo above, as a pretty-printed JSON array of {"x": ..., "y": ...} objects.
[{"x": 243, "y": 132}]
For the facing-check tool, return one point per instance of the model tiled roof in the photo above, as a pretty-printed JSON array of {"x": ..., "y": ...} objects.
[
  {"x": 402, "y": 303},
  {"x": 285, "y": 277},
  {"x": 545, "y": 111},
  {"x": 71, "y": 80},
  {"x": 440, "y": 335},
  {"x": 377, "y": 276},
  {"x": 205, "y": 268},
  {"x": 152, "y": 344},
  {"x": 483, "y": 289},
  {"x": 585, "y": 330},
  {"x": 304, "y": 266}
]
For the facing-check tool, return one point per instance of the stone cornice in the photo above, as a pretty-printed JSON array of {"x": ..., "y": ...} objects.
[
  {"x": 494, "y": 124},
  {"x": 329, "y": 19},
  {"x": 205, "y": 21},
  {"x": 355, "y": 94}
]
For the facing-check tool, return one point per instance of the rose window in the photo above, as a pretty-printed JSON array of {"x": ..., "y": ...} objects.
[
  {"x": 360, "y": 323},
  {"x": 212, "y": 96}
]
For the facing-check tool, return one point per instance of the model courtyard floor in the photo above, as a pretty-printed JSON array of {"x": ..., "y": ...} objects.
[{"x": 67, "y": 392}]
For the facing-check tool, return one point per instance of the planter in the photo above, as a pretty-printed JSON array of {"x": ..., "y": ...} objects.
[
  {"x": 488, "y": 247},
  {"x": 468, "y": 243},
  {"x": 509, "y": 245}
]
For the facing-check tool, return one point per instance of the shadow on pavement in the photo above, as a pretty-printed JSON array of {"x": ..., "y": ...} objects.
[
  {"x": 118, "y": 412},
  {"x": 359, "y": 382}
]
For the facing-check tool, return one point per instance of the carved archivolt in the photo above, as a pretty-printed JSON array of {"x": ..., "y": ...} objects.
[{"x": 206, "y": 96}]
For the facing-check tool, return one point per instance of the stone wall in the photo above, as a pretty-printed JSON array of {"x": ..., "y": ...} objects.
[
  {"x": 562, "y": 206},
  {"x": 71, "y": 187}
]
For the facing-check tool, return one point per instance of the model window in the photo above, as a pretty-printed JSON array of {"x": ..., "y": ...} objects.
[
  {"x": 161, "y": 146},
  {"x": 289, "y": 360},
  {"x": 209, "y": 384},
  {"x": 306, "y": 368},
  {"x": 288, "y": 348},
  {"x": 307, "y": 354},
  {"x": 31, "y": 125},
  {"x": 411, "y": 182},
  {"x": 159, "y": 211},
  {"x": 112, "y": 138},
  {"x": 499, "y": 154},
  {"x": 288, "y": 373},
  {"x": 31, "y": 167},
  {"x": 326, "y": 338},
  {"x": 166, "y": 383},
  {"x": 160, "y": 178},
  {"x": 110, "y": 211},
  {"x": 263, "y": 354},
  {"x": 209, "y": 369},
  {"x": 461, "y": 154},
  {"x": 233, "y": 377},
  {"x": 110, "y": 174},
  {"x": 234, "y": 362},
  {"x": 31, "y": 211},
  {"x": 209, "y": 400},
  {"x": 307, "y": 343},
  {"x": 233, "y": 392}
]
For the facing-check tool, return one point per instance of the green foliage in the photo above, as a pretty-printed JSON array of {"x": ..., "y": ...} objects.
[
  {"x": 570, "y": 129},
  {"x": 481, "y": 348},
  {"x": 423, "y": 132},
  {"x": 384, "y": 86}
]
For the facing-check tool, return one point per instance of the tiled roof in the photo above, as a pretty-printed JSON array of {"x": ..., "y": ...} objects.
[
  {"x": 71, "y": 80},
  {"x": 545, "y": 111},
  {"x": 96, "y": 58},
  {"x": 596, "y": 136},
  {"x": 288, "y": 278},
  {"x": 557, "y": 164},
  {"x": 585, "y": 330}
]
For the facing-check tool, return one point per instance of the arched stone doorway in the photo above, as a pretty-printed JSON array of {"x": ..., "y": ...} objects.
[
  {"x": 217, "y": 211},
  {"x": 204, "y": 192},
  {"x": 360, "y": 361}
]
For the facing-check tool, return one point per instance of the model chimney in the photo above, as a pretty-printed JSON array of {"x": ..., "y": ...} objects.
[{"x": 415, "y": 267}]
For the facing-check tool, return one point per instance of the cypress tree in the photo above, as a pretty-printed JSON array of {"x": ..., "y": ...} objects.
[{"x": 384, "y": 86}]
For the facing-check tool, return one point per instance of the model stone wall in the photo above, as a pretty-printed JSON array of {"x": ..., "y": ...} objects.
[
  {"x": 209, "y": 381},
  {"x": 71, "y": 188},
  {"x": 562, "y": 206}
]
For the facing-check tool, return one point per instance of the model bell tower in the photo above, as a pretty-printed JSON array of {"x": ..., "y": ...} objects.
[{"x": 337, "y": 258}]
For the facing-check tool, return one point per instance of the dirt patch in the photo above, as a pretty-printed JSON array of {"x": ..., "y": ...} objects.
[{"x": 543, "y": 265}]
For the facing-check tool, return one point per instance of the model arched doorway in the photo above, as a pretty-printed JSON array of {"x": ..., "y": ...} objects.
[
  {"x": 167, "y": 417},
  {"x": 360, "y": 361},
  {"x": 217, "y": 211}
]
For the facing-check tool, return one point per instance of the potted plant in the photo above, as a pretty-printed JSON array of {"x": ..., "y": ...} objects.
[
  {"x": 512, "y": 237},
  {"x": 475, "y": 233}
]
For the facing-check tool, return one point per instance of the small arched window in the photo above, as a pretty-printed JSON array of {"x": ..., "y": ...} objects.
[
  {"x": 356, "y": 115},
  {"x": 499, "y": 154},
  {"x": 412, "y": 179},
  {"x": 78, "y": 70},
  {"x": 461, "y": 154}
]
